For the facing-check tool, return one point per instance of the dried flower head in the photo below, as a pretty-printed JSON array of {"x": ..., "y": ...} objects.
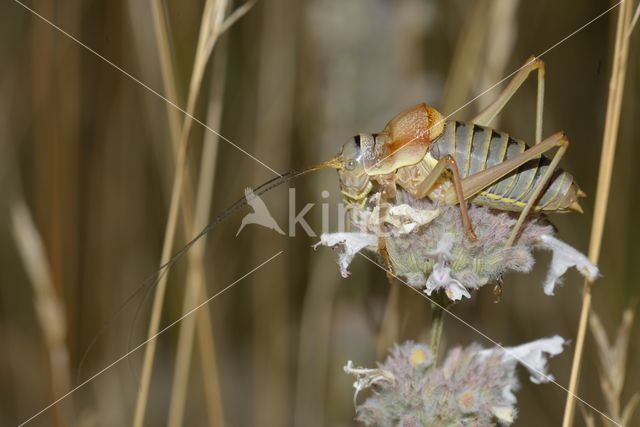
[
  {"x": 427, "y": 245},
  {"x": 474, "y": 386}
]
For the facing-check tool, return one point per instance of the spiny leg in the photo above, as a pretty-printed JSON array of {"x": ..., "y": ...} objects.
[
  {"x": 563, "y": 143},
  {"x": 485, "y": 117},
  {"x": 382, "y": 244},
  {"x": 475, "y": 183},
  {"x": 422, "y": 189},
  {"x": 497, "y": 289},
  {"x": 384, "y": 252}
]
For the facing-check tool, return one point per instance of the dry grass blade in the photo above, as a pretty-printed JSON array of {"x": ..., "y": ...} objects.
[
  {"x": 212, "y": 20},
  {"x": 589, "y": 419},
  {"x": 634, "y": 21},
  {"x": 195, "y": 289},
  {"x": 166, "y": 66},
  {"x": 196, "y": 267},
  {"x": 613, "y": 364},
  {"x": 613, "y": 358},
  {"x": 467, "y": 57},
  {"x": 49, "y": 307},
  {"x": 630, "y": 408},
  {"x": 235, "y": 15},
  {"x": 614, "y": 106}
]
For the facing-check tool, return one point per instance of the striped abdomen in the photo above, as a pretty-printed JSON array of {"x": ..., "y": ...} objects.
[{"x": 476, "y": 148}]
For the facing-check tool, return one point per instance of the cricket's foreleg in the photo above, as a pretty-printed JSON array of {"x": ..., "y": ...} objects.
[
  {"x": 423, "y": 188},
  {"x": 485, "y": 117}
]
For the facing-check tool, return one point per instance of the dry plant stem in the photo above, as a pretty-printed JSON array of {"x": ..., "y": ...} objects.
[
  {"x": 315, "y": 342},
  {"x": 275, "y": 110},
  {"x": 205, "y": 45},
  {"x": 436, "y": 330},
  {"x": 614, "y": 106},
  {"x": 158, "y": 299},
  {"x": 48, "y": 305},
  {"x": 500, "y": 40},
  {"x": 209, "y": 361},
  {"x": 467, "y": 57},
  {"x": 169, "y": 81},
  {"x": 195, "y": 281},
  {"x": 195, "y": 292},
  {"x": 390, "y": 325}
]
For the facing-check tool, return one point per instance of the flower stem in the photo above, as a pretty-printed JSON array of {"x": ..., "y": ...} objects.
[{"x": 436, "y": 329}]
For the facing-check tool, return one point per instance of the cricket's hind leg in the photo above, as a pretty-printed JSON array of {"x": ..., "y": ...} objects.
[{"x": 485, "y": 117}]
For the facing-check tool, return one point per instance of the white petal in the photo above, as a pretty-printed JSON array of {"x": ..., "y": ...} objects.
[
  {"x": 406, "y": 218},
  {"x": 533, "y": 356},
  {"x": 503, "y": 413},
  {"x": 348, "y": 244},
  {"x": 366, "y": 377},
  {"x": 440, "y": 277},
  {"x": 455, "y": 291},
  {"x": 564, "y": 256}
]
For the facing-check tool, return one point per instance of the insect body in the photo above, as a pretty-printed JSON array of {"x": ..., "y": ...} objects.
[
  {"x": 474, "y": 149},
  {"x": 452, "y": 162}
]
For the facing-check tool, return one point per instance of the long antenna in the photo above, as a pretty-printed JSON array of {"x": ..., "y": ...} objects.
[{"x": 153, "y": 279}]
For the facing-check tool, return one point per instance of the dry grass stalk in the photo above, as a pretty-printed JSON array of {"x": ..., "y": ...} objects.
[
  {"x": 275, "y": 112},
  {"x": 160, "y": 26},
  {"x": 466, "y": 58},
  {"x": 614, "y": 106},
  {"x": 613, "y": 365},
  {"x": 502, "y": 30},
  {"x": 389, "y": 332},
  {"x": 210, "y": 29},
  {"x": 49, "y": 307},
  {"x": 196, "y": 266},
  {"x": 196, "y": 290},
  {"x": 634, "y": 21},
  {"x": 315, "y": 342}
]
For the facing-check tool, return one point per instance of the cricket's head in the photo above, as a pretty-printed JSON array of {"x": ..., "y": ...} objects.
[
  {"x": 354, "y": 181},
  {"x": 403, "y": 142}
]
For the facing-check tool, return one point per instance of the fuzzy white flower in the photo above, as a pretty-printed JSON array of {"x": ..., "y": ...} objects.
[{"x": 472, "y": 386}]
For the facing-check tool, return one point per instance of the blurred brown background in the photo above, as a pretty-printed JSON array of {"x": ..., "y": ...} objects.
[{"x": 89, "y": 151}]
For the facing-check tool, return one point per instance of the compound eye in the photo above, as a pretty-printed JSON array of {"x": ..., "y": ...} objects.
[
  {"x": 356, "y": 139},
  {"x": 351, "y": 165}
]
